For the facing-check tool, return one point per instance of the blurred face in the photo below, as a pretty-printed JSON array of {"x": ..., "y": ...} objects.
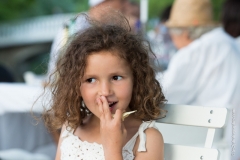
[
  {"x": 107, "y": 75},
  {"x": 180, "y": 38}
]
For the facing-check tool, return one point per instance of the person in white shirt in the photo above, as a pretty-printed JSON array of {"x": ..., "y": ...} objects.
[
  {"x": 205, "y": 71},
  {"x": 206, "y": 68}
]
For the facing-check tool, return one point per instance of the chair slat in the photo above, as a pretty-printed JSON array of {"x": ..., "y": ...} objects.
[
  {"x": 177, "y": 152},
  {"x": 194, "y": 116}
]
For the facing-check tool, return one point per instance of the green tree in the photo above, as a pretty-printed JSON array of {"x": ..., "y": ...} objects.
[
  {"x": 12, "y": 9},
  {"x": 217, "y": 8},
  {"x": 20, "y": 9},
  {"x": 157, "y": 6}
]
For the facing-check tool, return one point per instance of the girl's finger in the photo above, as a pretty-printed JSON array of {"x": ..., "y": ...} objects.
[
  {"x": 100, "y": 106},
  {"x": 118, "y": 115},
  {"x": 106, "y": 110}
]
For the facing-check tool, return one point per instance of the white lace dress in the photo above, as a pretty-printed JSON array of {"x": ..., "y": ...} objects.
[{"x": 72, "y": 148}]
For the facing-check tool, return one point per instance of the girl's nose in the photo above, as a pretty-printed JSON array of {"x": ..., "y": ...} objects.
[{"x": 105, "y": 89}]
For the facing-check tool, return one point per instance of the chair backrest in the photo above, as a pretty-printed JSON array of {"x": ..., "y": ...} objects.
[{"x": 198, "y": 116}]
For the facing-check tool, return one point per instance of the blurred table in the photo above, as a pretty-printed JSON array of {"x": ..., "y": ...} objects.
[
  {"x": 20, "y": 97},
  {"x": 31, "y": 140}
]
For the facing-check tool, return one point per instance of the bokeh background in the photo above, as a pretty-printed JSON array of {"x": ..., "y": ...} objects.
[{"x": 27, "y": 29}]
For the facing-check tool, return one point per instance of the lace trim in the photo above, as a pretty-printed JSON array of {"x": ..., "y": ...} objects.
[{"x": 74, "y": 148}]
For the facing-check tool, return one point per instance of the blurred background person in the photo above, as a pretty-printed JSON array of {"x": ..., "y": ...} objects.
[
  {"x": 161, "y": 41},
  {"x": 205, "y": 71},
  {"x": 207, "y": 60}
]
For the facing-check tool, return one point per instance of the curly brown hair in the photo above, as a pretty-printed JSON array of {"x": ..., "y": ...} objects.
[{"x": 66, "y": 101}]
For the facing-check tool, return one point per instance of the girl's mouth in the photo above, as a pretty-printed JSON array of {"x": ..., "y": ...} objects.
[{"x": 111, "y": 105}]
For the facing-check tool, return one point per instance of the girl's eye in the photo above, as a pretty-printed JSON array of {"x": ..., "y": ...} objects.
[
  {"x": 91, "y": 80},
  {"x": 116, "y": 78}
]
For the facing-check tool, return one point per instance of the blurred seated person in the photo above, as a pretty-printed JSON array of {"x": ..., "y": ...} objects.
[{"x": 206, "y": 68}]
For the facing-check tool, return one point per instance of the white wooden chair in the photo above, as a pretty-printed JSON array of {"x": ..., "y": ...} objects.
[{"x": 208, "y": 117}]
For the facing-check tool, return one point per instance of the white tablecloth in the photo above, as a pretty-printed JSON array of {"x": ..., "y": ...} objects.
[{"x": 20, "y": 97}]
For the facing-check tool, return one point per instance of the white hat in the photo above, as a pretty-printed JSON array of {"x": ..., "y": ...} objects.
[{"x": 94, "y": 2}]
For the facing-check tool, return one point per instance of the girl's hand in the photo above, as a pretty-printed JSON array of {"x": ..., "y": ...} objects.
[{"x": 112, "y": 130}]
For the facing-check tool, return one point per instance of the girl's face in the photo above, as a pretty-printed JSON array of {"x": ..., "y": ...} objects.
[{"x": 107, "y": 75}]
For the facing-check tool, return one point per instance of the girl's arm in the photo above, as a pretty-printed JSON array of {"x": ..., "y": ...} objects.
[
  {"x": 154, "y": 146},
  {"x": 58, "y": 154}
]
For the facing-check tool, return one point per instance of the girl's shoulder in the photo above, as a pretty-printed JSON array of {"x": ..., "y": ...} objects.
[
  {"x": 154, "y": 135},
  {"x": 149, "y": 141}
]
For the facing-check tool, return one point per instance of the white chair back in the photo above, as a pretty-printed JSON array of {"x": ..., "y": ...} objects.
[{"x": 204, "y": 117}]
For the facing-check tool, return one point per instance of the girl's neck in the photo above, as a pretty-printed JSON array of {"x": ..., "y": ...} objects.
[
  {"x": 91, "y": 124},
  {"x": 92, "y": 121}
]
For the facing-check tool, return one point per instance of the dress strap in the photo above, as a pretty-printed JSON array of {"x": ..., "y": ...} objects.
[
  {"x": 130, "y": 144},
  {"x": 142, "y": 135}
]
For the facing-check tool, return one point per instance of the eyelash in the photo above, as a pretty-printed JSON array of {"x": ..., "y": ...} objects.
[
  {"x": 89, "y": 79},
  {"x": 114, "y": 78}
]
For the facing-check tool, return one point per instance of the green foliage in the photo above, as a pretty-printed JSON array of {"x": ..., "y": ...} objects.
[
  {"x": 19, "y": 9},
  {"x": 157, "y": 6},
  {"x": 217, "y": 7},
  {"x": 12, "y": 9}
]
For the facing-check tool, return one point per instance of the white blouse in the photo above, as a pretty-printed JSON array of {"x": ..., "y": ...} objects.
[{"x": 73, "y": 148}]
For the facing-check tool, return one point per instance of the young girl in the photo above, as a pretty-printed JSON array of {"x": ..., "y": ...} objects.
[{"x": 104, "y": 72}]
